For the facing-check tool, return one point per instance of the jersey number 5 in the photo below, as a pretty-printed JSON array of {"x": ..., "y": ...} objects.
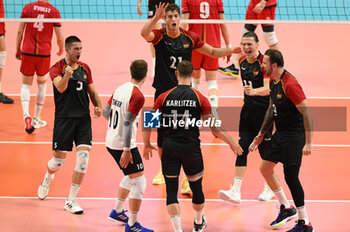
[{"x": 39, "y": 25}]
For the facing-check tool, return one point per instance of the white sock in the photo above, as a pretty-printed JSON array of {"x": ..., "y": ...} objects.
[
  {"x": 132, "y": 218},
  {"x": 237, "y": 184},
  {"x": 40, "y": 98},
  {"x": 25, "y": 98},
  {"x": 214, "y": 100},
  {"x": 198, "y": 217},
  {"x": 302, "y": 214},
  {"x": 176, "y": 222},
  {"x": 48, "y": 175},
  {"x": 195, "y": 83},
  {"x": 74, "y": 188},
  {"x": 281, "y": 197},
  {"x": 119, "y": 205}
]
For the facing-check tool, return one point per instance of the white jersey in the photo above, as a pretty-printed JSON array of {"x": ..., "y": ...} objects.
[{"x": 126, "y": 97}]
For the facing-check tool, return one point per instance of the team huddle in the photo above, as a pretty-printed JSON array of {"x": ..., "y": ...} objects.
[{"x": 273, "y": 98}]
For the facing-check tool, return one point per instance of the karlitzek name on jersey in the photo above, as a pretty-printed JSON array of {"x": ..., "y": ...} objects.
[{"x": 179, "y": 103}]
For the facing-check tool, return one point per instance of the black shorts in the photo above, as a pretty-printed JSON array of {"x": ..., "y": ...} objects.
[
  {"x": 251, "y": 119},
  {"x": 67, "y": 130},
  {"x": 152, "y": 6},
  {"x": 286, "y": 149},
  {"x": 136, "y": 166},
  {"x": 175, "y": 154}
]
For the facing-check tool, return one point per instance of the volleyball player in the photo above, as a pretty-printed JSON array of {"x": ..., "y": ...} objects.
[
  {"x": 290, "y": 112},
  {"x": 122, "y": 112},
  {"x": 35, "y": 55},
  {"x": 181, "y": 144}
]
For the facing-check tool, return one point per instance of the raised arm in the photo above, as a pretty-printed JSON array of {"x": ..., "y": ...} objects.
[
  {"x": 261, "y": 91},
  {"x": 146, "y": 31},
  {"x": 139, "y": 4},
  {"x": 304, "y": 109},
  {"x": 217, "y": 52}
]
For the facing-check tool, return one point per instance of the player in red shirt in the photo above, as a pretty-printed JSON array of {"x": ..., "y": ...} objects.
[
  {"x": 257, "y": 10},
  {"x": 3, "y": 97},
  {"x": 35, "y": 56},
  {"x": 209, "y": 33}
]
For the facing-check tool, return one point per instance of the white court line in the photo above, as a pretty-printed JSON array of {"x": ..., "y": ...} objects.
[
  {"x": 203, "y": 144},
  {"x": 163, "y": 199},
  {"x": 239, "y": 97}
]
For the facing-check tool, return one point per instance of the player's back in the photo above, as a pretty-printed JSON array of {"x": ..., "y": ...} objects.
[
  {"x": 205, "y": 10},
  {"x": 38, "y": 35},
  {"x": 120, "y": 102},
  {"x": 181, "y": 110}
]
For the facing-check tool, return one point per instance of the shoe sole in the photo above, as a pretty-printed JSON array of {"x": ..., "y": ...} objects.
[
  {"x": 284, "y": 221},
  {"x": 115, "y": 220},
  {"x": 187, "y": 192},
  {"x": 156, "y": 182},
  {"x": 229, "y": 74},
  {"x": 263, "y": 199},
  {"x": 28, "y": 123},
  {"x": 224, "y": 197},
  {"x": 78, "y": 212}
]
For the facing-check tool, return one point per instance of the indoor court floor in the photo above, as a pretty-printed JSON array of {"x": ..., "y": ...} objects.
[{"x": 316, "y": 54}]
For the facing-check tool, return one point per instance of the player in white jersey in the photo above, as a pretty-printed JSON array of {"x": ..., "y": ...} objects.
[{"x": 122, "y": 112}]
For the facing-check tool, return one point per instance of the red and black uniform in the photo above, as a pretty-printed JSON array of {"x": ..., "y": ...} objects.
[
  {"x": 152, "y": 6},
  {"x": 2, "y": 15},
  {"x": 289, "y": 139},
  {"x": 37, "y": 38},
  {"x": 268, "y": 12},
  {"x": 181, "y": 145},
  {"x": 209, "y": 33},
  {"x": 169, "y": 52},
  {"x": 254, "y": 108},
  {"x": 72, "y": 114}
]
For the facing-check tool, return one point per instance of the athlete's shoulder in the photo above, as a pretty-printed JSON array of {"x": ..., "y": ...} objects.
[{"x": 242, "y": 58}]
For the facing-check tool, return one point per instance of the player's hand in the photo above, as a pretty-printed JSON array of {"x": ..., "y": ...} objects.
[
  {"x": 68, "y": 71},
  {"x": 160, "y": 10},
  {"x": 248, "y": 89},
  {"x": 237, "y": 50},
  {"x": 18, "y": 55},
  {"x": 97, "y": 112},
  {"x": 307, "y": 149},
  {"x": 259, "y": 7},
  {"x": 125, "y": 159},
  {"x": 147, "y": 151},
  {"x": 236, "y": 148},
  {"x": 257, "y": 140},
  {"x": 60, "y": 52},
  {"x": 139, "y": 9}
]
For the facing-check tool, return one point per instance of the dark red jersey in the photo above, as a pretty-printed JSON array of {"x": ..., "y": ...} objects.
[
  {"x": 38, "y": 35},
  {"x": 209, "y": 9}
]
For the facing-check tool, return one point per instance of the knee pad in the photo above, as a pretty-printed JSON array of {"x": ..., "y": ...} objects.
[
  {"x": 212, "y": 84},
  {"x": 125, "y": 183},
  {"x": 138, "y": 187},
  {"x": 195, "y": 83},
  {"x": 270, "y": 38},
  {"x": 247, "y": 28},
  {"x": 172, "y": 186},
  {"x": 197, "y": 191},
  {"x": 40, "y": 98},
  {"x": 55, "y": 163},
  {"x": 82, "y": 161},
  {"x": 2, "y": 58}
]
